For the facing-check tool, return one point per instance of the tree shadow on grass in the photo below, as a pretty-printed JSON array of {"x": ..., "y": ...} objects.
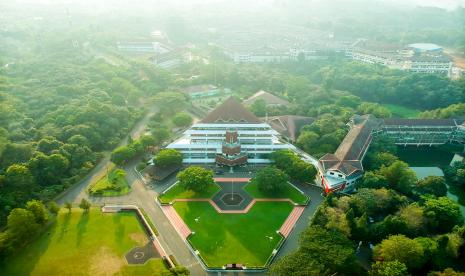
[
  {"x": 82, "y": 227},
  {"x": 120, "y": 229},
  {"x": 24, "y": 260},
  {"x": 64, "y": 225}
]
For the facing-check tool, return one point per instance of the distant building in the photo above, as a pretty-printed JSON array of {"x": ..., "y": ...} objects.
[
  {"x": 143, "y": 47},
  {"x": 268, "y": 98},
  {"x": 229, "y": 135},
  {"x": 423, "y": 132},
  {"x": 340, "y": 171},
  {"x": 173, "y": 58},
  {"x": 204, "y": 91},
  {"x": 424, "y": 58}
]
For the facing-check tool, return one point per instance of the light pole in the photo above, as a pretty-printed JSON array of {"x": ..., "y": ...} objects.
[{"x": 232, "y": 190}]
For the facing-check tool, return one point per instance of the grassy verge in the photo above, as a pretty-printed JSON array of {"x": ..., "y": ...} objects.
[
  {"x": 402, "y": 111},
  {"x": 247, "y": 239},
  {"x": 112, "y": 184},
  {"x": 147, "y": 218},
  {"x": 177, "y": 191},
  {"x": 288, "y": 192},
  {"x": 85, "y": 244}
]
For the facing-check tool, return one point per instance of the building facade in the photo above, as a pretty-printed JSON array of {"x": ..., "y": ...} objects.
[
  {"x": 341, "y": 170},
  {"x": 229, "y": 135}
]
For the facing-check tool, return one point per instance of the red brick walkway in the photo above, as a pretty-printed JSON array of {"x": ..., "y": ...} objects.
[
  {"x": 180, "y": 226},
  {"x": 231, "y": 179},
  {"x": 288, "y": 225}
]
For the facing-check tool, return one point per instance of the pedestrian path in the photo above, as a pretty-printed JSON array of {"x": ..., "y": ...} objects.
[
  {"x": 176, "y": 221},
  {"x": 291, "y": 220}
]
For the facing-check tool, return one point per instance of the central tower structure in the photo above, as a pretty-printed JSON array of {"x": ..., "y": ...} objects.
[{"x": 231, "y": 154}]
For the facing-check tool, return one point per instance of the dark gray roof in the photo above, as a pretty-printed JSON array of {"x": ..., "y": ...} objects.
[
  {"x": 269, "y": 99},
  {"x": 289, "y": 125},
  {"x": 419, "y": 122},
  {"x": 348, "y": 156},
  {"x": 198, "y": 88},
  {"x": 358, "y": 139},
  {"x": 231, "y": 111}
]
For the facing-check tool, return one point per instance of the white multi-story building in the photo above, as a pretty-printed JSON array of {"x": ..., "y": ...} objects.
[{"x": 205, "y": 142}]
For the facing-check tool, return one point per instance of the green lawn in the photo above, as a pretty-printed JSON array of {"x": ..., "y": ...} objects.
[
  {"x": 402, "y": 111},
  {"x": 288, "y": 192},
  {"x": 84, "y": 244},
  {"x": 234, "y": 238},
  {"x": 112, "y": 184},
  {"x": 180, "y": 192}
]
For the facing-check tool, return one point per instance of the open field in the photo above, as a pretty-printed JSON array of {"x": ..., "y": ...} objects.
[
  {"x": 247, "y": 239},
  {"x": 84, "y": 244},
  {"x": 177, "y": 191},
  {"x": 288, "y": 192},
  {"x": 112, "y": 184},
  {"x": 402, "y": 111}
]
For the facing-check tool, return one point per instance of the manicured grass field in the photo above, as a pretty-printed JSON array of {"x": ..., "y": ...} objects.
[
  {"x": 402, "y": 111},
  {"x": 288, "y": 192},
  {"x": 180, "y": 192},
  {"x": 234, "y": 238},
  {"x": 111, "y": 184},
  {"x": 84, "y": 244}
]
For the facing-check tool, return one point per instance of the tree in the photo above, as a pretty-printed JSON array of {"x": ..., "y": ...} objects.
[
  {"x": 180, "y": 271},
  {"x": 68, "y": 206},
  {"x": 161, "y": 134},
  {"x": 402, "y": 249},
  {"x": 15, "y": 153},
  {"x": 391, "y": 268},
  {"x": 122, "y": 154},
  {"x": 79, "y": 140},
  {"x": 195, "y": 178},
  {"x": 338, "y": 257},
  {"x": 307, "y": 140},
  {"x": 270, "y": 180},
  {"x": 48, "y": 169},
  {"x": 18, "y": 177},
  {"x": 447, "y": 272},
  {"x": 414, "y": 218},
  {"x": 48, "y": 144},
  {"x": 433, "y": 185},
  {"x": 84, "y": 205},
  {"x": 373, "y": 180},
  {"x": 258, "y": 107},
  {"x": 147, "y": 141},
  {"x": 21, "y": 225},
  {"x": 170, "y": 102},
  {"x": 382, "y": 159},
  {"x": 293, "y": 166},
  {"x": 182, "y": 119},
  {"x": 168, "y": 157},
  {"x": 37, "y": 208},
  {"x": 399, "y": 176},
  {"x": 442, "y": 213},
  {"x": 53, "y": 207},
  {"x": 455, "y": 173}
]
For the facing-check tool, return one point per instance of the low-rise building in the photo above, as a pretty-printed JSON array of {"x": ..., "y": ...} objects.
[
  {"x": 341, "y": 170},
  {"x": 144, "y": 47},
  {"x": 173, "y": 58},
  {"x": 204, "y": 91},
  {"x": 229, "y": 135}
]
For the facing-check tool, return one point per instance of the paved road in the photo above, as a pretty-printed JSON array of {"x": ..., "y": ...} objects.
[
  {"x": 77, "y": 192},
  {"x": 140, "y": 196},
  {"x": 145, "y": 199}
]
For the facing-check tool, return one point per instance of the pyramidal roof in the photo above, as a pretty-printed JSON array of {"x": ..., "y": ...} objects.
[{"x": 231, "y": 111}]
